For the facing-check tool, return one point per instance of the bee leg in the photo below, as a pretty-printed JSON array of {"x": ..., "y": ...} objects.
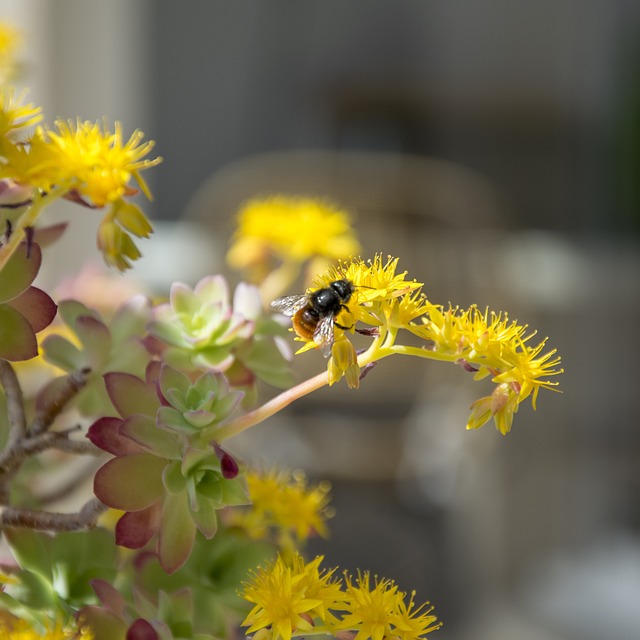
[{"x": 340, "y": 326}]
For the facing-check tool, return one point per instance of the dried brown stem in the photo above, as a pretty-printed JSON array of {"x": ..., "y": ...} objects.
[
  {"x": 45, "y": 417},
  {"x": 15, "y": 403},
  {"x": 86, "y": 518}
]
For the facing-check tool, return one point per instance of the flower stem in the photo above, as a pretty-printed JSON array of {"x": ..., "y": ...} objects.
[
  {"x": 272, "y": 407},
  {"x": 27, "y": 219}
]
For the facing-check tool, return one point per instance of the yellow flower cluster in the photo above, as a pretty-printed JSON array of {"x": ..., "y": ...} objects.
[
  {"x": 83, "y": 161},
  {"x": 299, "y": 598},
  {"x": 10, "y": 41},
  {"x": 290, "y": 228},
  {"x": 486, "y": 343},
  {"x": 276, "y": 236},
  {"x": 283, "y": 502}
]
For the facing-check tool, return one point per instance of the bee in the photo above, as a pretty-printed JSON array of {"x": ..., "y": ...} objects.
[{"x": 313, "y": 315}]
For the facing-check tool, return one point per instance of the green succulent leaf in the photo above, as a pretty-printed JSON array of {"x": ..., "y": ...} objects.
[
  {"x": 71, "y": 310},
  {"x": 17, "y": 339},
  {"x": 96, "y": 341},
  {"x": 131, "y": 395},
  {"x": 173, "y": 383},
  {"x": 143, "y": 430},
  {"x": 78, "y": 558},
  {"x": 20, "y": 271},
  {"x": 205, "y": 516},
  {"x": 131, "y": 319},
  {"x": 177, "y": 532},
  {"x": 131, "y": 482},
  {"x": 62, "y": 353},
  {"x": 173, "y": 480},
  {"x": 31, "y": 550}
]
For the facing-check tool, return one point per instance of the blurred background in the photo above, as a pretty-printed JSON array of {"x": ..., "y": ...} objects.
[{"x": 494, "y": 147}]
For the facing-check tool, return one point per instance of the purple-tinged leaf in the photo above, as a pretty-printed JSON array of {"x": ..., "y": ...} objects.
[
  {"x": 142, "y": 630},
  {"x": 130, "y": 483},
  {"x": 106, "y": 435},
  {"x": 109, "y": 596},
  {"x": 144, "y": 431},
  {"x": 19, "y": 271},
  {"x": 36, "y": 306},
  {"x": 136, "y": 528},
  {"x": 177, "y": 532},
  {"x": 46, "y": 236},
  {"x": 130, "y": 395},
  {"x": 62, "y": 353},
  {"x": 17, "y": 339},
  {"x": 95, "y": 339}
]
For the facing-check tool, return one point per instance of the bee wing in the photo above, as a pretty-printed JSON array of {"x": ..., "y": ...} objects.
[
  {"x": 323, "y": 335},
  {"x": 289, "y": 304}
]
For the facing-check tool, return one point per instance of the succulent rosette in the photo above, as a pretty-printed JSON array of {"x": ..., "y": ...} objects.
[
  {"x": 202, "y": 329},
  {"x": 165, "y": 476}
]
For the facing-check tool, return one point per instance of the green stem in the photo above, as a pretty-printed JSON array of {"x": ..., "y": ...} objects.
[
  {"x": 28, "y": 219},
  {"x": 375, "y": 352},
  {"x": 272, "y": 407}
]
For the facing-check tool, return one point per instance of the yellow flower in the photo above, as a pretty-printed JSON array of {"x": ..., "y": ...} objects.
[
  {"x": 10, "y": 41},
  {"x": 410, "y": 623},
  {"x": 97, "y": 164},
  {"x": 370, "y": 610},
  {"x": 290, "y": 229},
  {"x": 284, "y": 501},
  {"x": 15, "y": 116},
  {"x": 296, "y": 598},
  {"x": 485, "y": 343},
  {"x": 280, "y": 595}
]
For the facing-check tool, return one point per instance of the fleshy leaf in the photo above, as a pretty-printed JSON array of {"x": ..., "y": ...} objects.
[
  {"x": 105, "y": 434},
  {"x": 177, "y": 532},
  {"x": 205, "y": 517},
  {"x": 144, "y": 431},
  {"x": 46, "y": 236},
  {"x": 130, "y": 483},
  {"x": 95, "y": 339},
  {"x": 19, "y": 271},
  {"x": 104, "y": 624},
  {"x": 130, "y": 395},
  {"x": 131, "y": 319},
  {"x": 136, "y": 528},
  {"x": 142, "y": 630},
  {"x": 31, "y": 550},
  {"x": 36, "y": 306},
  {"x": 173, "y": 480},
  {"x": 62, "y": 353},
  {"x": 17, "y": 339},
  {"x": 71, "y": 310},
  {"x": 109, "y": 596},
  {"x": 171, "y": 379}
]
